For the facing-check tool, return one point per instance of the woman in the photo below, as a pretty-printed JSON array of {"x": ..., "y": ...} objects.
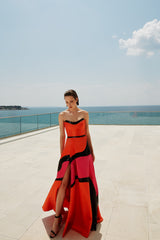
[{"x": 75, "y": 186}]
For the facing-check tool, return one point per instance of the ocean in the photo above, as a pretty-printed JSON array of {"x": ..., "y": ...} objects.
[
  {"x": 41, "y": 110},
  {"x": 14, "y": 122}
]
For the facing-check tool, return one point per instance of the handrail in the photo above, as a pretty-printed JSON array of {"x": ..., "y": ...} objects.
[
  {"x": 29, "y": 115},
  {"x": 120, "y": 111}
]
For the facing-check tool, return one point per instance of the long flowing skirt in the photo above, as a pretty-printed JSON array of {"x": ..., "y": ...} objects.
[{"x": 81, "y": 198}]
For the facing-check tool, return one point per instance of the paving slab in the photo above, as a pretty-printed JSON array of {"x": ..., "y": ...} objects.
[{"x": 127, "y": 169}]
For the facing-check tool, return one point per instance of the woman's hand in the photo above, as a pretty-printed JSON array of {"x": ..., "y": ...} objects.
[{"x": 93, "y": 157}]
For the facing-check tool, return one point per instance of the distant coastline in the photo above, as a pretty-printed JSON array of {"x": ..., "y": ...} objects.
[
  {"x": 44, "y": 110},
  {"x": 11, "y": 107}
]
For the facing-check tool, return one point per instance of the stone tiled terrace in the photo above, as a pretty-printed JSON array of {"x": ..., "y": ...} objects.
[{"x": 127, "y": 168}]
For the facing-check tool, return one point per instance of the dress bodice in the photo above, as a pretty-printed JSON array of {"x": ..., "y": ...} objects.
[{"x": 77, "y": 128}]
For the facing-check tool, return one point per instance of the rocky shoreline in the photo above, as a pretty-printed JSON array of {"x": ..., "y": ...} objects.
[{"x": 11, "y": 107}]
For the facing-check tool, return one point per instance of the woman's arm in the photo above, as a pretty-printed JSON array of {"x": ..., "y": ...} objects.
[
  {"x": 88, "y": 135},
  {"x": 62, "y": 132}
]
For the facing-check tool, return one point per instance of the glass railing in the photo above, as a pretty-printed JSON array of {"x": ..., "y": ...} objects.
[
  {"x": 125, "y": 118},
  {"x": 10, "y": 126}
]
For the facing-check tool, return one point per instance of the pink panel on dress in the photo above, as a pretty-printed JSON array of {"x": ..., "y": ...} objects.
[
  {"x": 61, "y": 172},
  {"x": 83, "y": 168}
]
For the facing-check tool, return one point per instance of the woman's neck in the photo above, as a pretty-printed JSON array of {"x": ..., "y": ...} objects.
[{"x": 74, "y": 110}]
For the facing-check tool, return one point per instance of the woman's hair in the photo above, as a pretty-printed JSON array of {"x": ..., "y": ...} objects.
[{"x": 72, "y": 93}]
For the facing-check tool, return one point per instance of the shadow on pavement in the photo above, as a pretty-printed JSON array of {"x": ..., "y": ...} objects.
[{"x": 71, "y": 235}]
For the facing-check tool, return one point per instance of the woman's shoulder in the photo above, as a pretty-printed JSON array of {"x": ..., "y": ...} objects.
[
  {"x": 82, "y": 110},
  {"x": 62, "y": 114},
  {"x": 84, "y": 113}
]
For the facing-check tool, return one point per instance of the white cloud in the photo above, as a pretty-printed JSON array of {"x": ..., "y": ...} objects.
[{"x": 145, "y": 41}]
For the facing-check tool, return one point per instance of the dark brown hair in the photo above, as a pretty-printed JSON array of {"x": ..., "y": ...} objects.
[{"x": 72, "y": 93}]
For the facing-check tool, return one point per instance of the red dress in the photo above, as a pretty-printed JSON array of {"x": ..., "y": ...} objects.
[{"x": 81, "y": 197}]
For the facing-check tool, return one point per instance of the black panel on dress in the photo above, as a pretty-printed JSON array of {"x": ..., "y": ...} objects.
[
  {"x": 62, "y": 160},
  {"x": 74, "y": 122},
  {"x": 94, "y": 205},
  {"x": 70, "y": 159}
]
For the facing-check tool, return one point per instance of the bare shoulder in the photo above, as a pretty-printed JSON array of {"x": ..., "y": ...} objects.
[
  {"x": 61, "y": 115},
  {"x": 84, "y": 113}
]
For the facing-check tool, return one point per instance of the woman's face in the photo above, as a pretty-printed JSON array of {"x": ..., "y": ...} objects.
[{"x": 71, "y": 103}]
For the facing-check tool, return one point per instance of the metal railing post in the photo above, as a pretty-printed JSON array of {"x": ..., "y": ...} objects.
[
  {"x": 50, "y": 119},
  {"x": 37, "y": 121},
  {"x": 20, "y": 125}
]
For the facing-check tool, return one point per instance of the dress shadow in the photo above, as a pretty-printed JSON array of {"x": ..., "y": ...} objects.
[{"x": 71, "y": 234}]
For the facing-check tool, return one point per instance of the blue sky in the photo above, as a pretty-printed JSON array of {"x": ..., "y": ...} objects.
[{"x": 108, "y": 51}]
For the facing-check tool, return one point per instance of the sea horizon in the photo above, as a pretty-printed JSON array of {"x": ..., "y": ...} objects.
[{"x": 46, "y": 109}]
